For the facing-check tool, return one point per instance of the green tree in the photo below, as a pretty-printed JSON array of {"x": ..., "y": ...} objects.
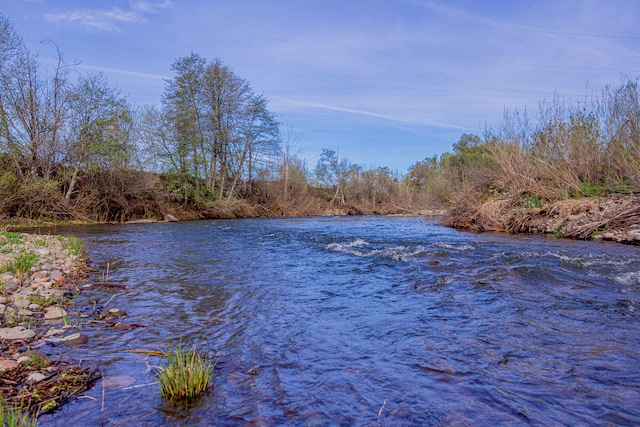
[
  {"x": 100, "y": 127},
  {"x": 331, "y": 172}
]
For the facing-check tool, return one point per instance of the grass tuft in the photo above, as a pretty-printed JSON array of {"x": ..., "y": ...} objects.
[
  {"x": 21, "y": 263},
  {"x": 187, "y": 376},
  {"x": 13, "y": 416},
  {"x": 37, "y": 361}
]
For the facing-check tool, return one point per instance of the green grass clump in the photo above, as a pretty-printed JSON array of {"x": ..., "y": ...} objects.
[
  {"x": 37, "y": 361},
  {"x": 10, "y": 238},
  {"x": 187, "y": 376},
  {"x": 47, "y": 301},
  {"x": 12, "y": 416},
  {"x": 21, "y": 263},
  {"x": 73, "y": 245}
]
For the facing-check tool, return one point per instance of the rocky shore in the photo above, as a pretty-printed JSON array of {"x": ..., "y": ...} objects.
[{"x": 38, "y": 280}]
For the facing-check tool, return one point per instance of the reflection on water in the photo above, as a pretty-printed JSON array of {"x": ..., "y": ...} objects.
[{"x": 366, "y": 320}]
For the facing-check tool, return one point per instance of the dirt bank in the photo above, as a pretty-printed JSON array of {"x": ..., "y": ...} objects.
[{"x": 615, "y": 217}]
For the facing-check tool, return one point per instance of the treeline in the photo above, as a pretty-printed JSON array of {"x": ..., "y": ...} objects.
[
  {"x": 570, "y": 150},
  {"x": 77, "y": 149}
]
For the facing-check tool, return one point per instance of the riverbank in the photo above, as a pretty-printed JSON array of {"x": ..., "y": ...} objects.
[
  {"x": 38, "y": 280},
  {"x": 615, "y": 217}
]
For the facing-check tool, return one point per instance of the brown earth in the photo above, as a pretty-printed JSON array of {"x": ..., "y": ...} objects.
[{"x": 615, "y": 217}]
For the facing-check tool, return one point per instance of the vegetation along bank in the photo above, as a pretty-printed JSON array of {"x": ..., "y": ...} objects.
[{"x": 75, "y": 150}]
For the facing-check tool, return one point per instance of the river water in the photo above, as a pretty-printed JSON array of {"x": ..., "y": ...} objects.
[{"x": 363, "y": 321}]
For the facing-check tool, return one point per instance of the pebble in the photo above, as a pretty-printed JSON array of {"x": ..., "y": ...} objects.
[
  {"x": 25, "y": 312},
  {"x": 75, "y": 339},
  {"x": 21, "y": 303},
  {"x": 36, "y": 377},
  {"x": 55, "y": 313},
  {"x": 6, "y": 277},
  {"x": 55, "y": 274},
  {"x": 43, "y": 251},
  {"x": 53, "y": 332},
  {"x": 16, "y": 333},
  {"x": 116, "y": 312},
  {"x": 7, "y": 365}
]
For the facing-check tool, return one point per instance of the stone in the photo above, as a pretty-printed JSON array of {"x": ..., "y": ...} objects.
[
  {"x": 7, "y": 365},
  {"x": 61, "y": 280},
  {"x": 3, "y": 300},
  {"x": 12, "y": 286},
  {"x": 43, "y": 252},
  {"x": 55, "y": 274},
  {"x": 16, "y": 333},
  {"x": 75, "y": 339},
  {"x": 34, "y": 307},
  {"x": 2, "y": 308},
  {"x": 53, "y": 332},
  {"x": 25, "y": 312},
  {"x": 6, "y": 277},
  {"x": 21, "y": 303},
  {"x": 122, "y": 327},
  {"x": 116, "y": 312},
  {"x": 38, "y": 275},
  {"x": 170, "y": 218},
  {"x": 54, "y": 313},
  {"x": 36, "y": 377}
]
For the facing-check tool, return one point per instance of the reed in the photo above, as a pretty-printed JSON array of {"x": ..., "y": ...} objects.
[
  {"x": 13, "y": 416},
  {"x": 187, "y": 376}
]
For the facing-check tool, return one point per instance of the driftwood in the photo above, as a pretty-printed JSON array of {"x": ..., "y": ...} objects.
[{"x": 106, "y": 285}]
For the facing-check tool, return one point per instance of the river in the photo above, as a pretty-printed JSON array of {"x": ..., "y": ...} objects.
[{"x": 363, "y": 321}]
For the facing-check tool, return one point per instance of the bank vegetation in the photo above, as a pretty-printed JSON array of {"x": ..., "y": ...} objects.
[
  {"x": 573, "y": 170},
  {"x": 74, "y": 149}
]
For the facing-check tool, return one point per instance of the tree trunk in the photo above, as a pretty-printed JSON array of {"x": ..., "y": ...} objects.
[{"x": 72, "y": 184}]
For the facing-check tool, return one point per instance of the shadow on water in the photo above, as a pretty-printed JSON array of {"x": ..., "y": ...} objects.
[{"x": 365, "y": 320}]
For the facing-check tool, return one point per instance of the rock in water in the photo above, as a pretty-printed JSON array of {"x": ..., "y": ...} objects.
[
  {"x": 75, "y": 339},
  {"x": 16, "y": 333},
  {"x": 55, "y": 313}
]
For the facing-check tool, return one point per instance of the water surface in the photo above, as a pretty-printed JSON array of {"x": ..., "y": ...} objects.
[{"x": 365, "y": 321}]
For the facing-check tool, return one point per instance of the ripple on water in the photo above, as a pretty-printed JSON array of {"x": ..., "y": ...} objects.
[{"x": 360, "y": 321}]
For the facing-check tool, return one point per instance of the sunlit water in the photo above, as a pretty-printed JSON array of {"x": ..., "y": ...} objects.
[{"x": 364, "y": 321}]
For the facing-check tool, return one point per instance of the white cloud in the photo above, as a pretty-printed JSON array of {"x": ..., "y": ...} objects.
[
  {"x": 109, "y": 20},
  {"x": 308, "y": 104},
  {"x": 150, "y": 6},
  {"x": 106, "y": 20}
]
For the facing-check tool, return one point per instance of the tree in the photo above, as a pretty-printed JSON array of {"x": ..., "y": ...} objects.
[
  {"x": 331, "y": 172},
  {"x": 182, "y": 103},
  {"x": 99, "y": 127},
  {"x": 32, "y": 106},
  {"x": 220, "y": 128}
]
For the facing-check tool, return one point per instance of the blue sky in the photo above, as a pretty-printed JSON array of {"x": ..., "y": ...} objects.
[{"x": 385, "y": 82}]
